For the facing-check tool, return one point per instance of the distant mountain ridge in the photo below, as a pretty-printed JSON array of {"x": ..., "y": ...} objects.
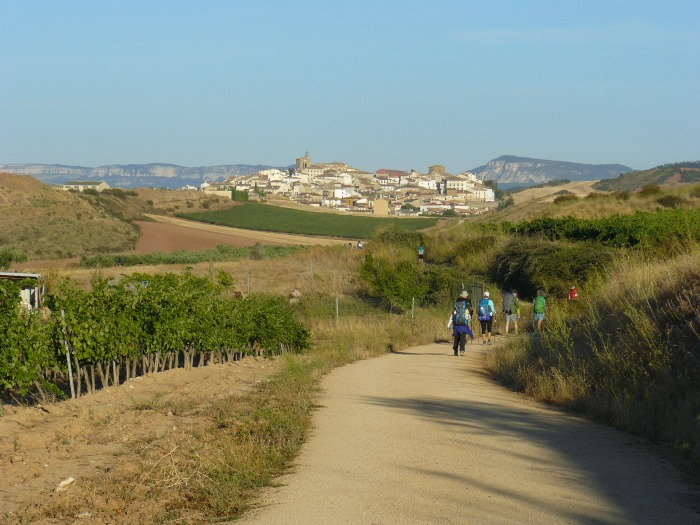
[
  {"x": 133, "y": 175},
  {"x": 523, "y": 170},
  {"x": 504, "y": 169}
]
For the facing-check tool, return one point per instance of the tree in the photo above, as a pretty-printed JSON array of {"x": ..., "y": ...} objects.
[
  {"x": 497, "y": 193},
  {"x": 8, "y": 255}
]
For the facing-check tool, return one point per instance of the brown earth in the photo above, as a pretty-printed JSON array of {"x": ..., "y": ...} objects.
[
  {"x": 113, "y": 436},
  {"x": 415, "y": 437}
]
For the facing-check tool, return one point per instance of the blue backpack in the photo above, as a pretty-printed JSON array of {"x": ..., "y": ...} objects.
[
  {"x": 484, "y": 311},
  {"x": 461, "y": 314}
]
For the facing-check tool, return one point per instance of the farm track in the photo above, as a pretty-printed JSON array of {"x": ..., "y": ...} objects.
[{"x": 423, "y": 437}]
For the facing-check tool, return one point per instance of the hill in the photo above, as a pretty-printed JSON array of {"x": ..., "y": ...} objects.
[
  {"x": 133, "y": 175},
  {"x": 47, "y": 223},
  {"x": 666, "y": 175},
  {"x": 523, "y": 170},
  {"x": 579, "y": 199}
]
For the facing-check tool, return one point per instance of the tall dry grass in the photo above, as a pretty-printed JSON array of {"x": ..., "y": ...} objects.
[{"x": 626, "y": 353}]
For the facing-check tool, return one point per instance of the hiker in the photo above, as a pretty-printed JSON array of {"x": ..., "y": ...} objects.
[
  {"x": 421, "y": 252},
  {"x": 485, "y": 314},
  {"x": 459, "y": 322},
  {"x": 511, "y": 309},
  {"x": 539, "y": 305},
  {"x": 573, "y": 293},
  {"x": 359, "y": 245}
]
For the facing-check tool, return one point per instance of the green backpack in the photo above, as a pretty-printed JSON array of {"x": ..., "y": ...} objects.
[{"x": 539, "y": 304}]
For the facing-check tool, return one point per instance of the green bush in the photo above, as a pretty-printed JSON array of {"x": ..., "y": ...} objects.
[
  {"x": 530, "y": 264},
  {"x": 8, "y": 255},
  {"x": 672, "y": 201},
  {"x": 394, "y": 236},
  {"x": 397, "y": 283},
  {"x": 649, "y": 190}
]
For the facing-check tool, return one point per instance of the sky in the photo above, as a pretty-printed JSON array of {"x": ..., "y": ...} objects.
[{"x": 377, "y": 84}]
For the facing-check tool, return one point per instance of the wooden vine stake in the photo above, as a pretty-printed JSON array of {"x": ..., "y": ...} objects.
[{"x": 70, "y": 368}]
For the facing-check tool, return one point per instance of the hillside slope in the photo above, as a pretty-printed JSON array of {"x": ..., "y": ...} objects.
[
  {"x": 157, "y": 175},
  {"x": 47, "y": 223},
  {"x": 669, "y": 175}
]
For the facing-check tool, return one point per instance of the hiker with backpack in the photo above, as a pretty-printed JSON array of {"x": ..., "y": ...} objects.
[
  {"x": 459, "y": 323},
  {"x": 539, "y": 305},
  {"x": 511, "y": 309},
  {"x": 485, "y": 314}
]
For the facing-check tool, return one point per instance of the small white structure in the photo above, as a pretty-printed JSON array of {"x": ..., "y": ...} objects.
[{"x": 82, "y": 185}]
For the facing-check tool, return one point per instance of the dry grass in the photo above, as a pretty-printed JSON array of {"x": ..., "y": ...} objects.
[
  {"x": 627, "y": 353},
  {"x": 49, "y": 223},
  {"x": 590, "y": 205}
]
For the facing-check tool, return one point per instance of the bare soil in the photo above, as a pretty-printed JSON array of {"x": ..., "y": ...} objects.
[{"x": 111, "y": 437}]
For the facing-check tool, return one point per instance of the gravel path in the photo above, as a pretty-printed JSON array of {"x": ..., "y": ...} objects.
[{"x": 421, "y": 436}]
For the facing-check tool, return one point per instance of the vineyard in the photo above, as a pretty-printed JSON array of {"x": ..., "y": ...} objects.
[
  {"x": 256, "y": 216},
  {"x": 642, "y": 229},
  {"x": 220, "y": 253},
  {"x": 139, "y": 324}
]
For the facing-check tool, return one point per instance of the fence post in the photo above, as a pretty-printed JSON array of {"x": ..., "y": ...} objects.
[
  {"x": 70, "y": 367},
  {"x": 413, "y": 307},
  {"x": 336, "y": 310}
]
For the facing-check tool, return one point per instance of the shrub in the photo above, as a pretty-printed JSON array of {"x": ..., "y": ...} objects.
[
  {"x": 672, "y": 201},
  {"x": 561, "y": 199},
  {"x": 649, "y": 190},
  {"x": 530, "y": 264},
  {"x": 397, "y": 283},
  {"x": 622, "y": 195},
  {"x": 395, "y": 236},
  {"x": 596, "y": 195},
  {"x": 507, "y": 201},
  {"x": 8, "y": 255}
]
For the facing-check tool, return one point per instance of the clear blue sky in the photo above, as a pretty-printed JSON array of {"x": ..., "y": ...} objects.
[{"x": 377, "y": 84}]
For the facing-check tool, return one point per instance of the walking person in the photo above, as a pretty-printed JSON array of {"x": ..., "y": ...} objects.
[
  {"x": 573, "y": 293},
  {"x": 539, "y": 305},
  {"x": 511, "y": 309},
  {"x": 421, "y": 252},
  {"x": 459, "y": 322},
  {"x": 485, "y": 314}
]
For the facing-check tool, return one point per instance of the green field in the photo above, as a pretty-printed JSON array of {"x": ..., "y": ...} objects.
[{"x": 256, "y": 216}]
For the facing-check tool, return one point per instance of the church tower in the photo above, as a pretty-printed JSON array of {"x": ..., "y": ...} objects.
[{"x": 303, "y": 162}]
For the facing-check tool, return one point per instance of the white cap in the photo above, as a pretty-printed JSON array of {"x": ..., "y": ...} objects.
[{"x": 486, "y": 294}]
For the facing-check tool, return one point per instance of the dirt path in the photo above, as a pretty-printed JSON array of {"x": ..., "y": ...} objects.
[{"x": 422, "y": 437}]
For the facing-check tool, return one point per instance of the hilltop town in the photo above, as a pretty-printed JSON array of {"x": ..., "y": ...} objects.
[{"x": 339, "y": 186}]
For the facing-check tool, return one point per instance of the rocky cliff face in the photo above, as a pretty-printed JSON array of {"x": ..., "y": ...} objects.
[
  {"x": 522, "y": 170},
  {"x": 132, "y": 175}
]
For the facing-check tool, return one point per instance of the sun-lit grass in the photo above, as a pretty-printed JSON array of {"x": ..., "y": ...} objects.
[{"x": 627, "y": 353}]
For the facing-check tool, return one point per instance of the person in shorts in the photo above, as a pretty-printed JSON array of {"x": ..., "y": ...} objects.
[
  {"x": 513, "y": 312},
  {"x": 486, "y": 311}
]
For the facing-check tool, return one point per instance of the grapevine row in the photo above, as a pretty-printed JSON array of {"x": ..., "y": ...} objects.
[{"x": 139, "y": 324}]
